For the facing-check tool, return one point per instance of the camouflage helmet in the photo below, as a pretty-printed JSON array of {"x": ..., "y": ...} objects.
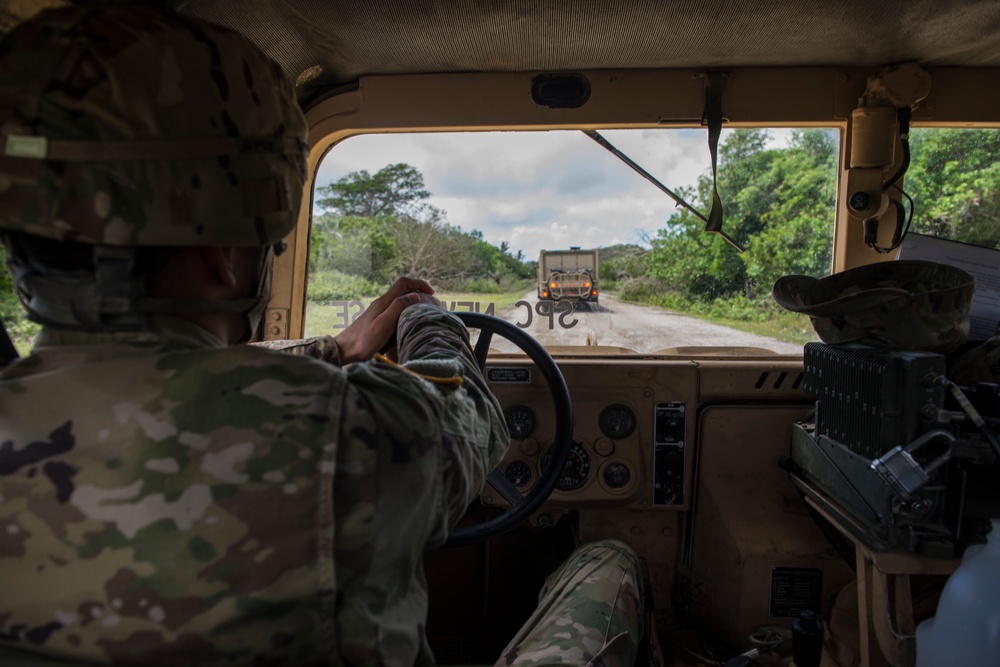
[
  {"x": 129, "y": 125},
  {"x": 910, "y": 304}
]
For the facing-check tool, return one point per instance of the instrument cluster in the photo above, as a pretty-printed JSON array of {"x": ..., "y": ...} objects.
[{"x": 598, "y": 463}]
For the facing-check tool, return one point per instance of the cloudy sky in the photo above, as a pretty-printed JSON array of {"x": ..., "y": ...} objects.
[{"x": 540, "y": 190}]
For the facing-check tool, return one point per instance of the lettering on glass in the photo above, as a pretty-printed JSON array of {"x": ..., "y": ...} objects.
[{"x": 347, "y": 312}]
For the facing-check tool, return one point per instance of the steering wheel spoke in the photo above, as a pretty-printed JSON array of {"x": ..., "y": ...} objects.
[
  {"x": 522, "y": 507},
  {"x": 503, "y": 486},
  {"x": 482, "y": 348}
]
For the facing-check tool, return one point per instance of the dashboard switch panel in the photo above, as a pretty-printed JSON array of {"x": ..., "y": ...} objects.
[{"x": 668, "y": 454}]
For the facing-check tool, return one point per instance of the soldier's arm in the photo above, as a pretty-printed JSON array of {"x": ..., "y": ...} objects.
[
  {"x": 324, "y": 348},
  {"x": 437, "y": 427},
  {"x": 368, "y": 333},
  {"x": 435, "y": 342}
]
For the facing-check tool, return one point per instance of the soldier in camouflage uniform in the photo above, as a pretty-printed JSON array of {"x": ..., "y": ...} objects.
[{"x": 170, "y": 498}]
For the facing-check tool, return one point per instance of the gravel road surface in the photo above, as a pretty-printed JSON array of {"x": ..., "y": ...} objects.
[{"x": 643, "y": 329}]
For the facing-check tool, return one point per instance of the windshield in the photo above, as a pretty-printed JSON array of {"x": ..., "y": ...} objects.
[{"x": 554, "y": 233}]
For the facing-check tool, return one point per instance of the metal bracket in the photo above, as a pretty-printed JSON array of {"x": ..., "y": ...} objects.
[{"x": 276, "y": 323}]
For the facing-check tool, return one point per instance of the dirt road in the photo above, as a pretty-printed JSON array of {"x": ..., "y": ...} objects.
[{"x": 643, "y": 329}]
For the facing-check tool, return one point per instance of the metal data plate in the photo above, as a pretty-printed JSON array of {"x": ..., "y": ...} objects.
[{"x": 508, "y": 374}]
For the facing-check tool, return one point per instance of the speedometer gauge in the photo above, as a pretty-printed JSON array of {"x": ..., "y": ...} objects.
[
  {"x": 520, "y": 421},
  {"x": 577, "y": 469},
  {"x": 617, "y": 421}
]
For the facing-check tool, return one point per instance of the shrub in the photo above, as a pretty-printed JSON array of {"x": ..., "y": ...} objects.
[{"x": 336, "y": 286}]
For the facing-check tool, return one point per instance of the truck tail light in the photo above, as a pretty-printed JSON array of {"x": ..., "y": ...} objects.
[{"x": 593, "y": 292}]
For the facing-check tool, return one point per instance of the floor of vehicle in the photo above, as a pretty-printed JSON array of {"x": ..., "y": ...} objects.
[{"x": 481, "y": 595}]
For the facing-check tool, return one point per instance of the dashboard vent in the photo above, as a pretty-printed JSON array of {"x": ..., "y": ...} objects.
[{"x": 779, "y": 380}]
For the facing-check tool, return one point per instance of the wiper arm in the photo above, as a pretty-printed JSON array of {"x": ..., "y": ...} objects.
[{"x": 652, "y": 179}]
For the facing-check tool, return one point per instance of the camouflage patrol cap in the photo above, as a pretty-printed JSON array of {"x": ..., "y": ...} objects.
[
  {"x": 129, "y": 125},
  {"x": 907, "y": 303}
]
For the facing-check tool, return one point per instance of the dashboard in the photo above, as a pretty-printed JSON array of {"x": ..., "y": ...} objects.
[
  {"x": 678, "y": 456},
  {"x": 635, "y": 422}
]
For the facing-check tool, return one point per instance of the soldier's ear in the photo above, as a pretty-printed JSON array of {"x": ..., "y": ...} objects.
[{"x": 220, "y": 264}]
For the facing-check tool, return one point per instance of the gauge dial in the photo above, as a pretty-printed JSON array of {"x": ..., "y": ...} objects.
[
  {"x": 577, "y": 469},
  {"x": 617, "y": 421},
  {"x": 616, "y": 475},
  {"x": 520, "y": 421},
  {"x": 518, "y": 473}
]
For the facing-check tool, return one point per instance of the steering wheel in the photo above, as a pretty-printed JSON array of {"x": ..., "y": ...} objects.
[{"x": 521, "y": 506}]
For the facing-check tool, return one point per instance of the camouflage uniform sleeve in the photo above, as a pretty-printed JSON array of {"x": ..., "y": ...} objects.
[
  {"x": 431, "y": 339},
  {"x": 434, "y": 413},
  {"x": 324, "y": 348},
  {"x": 414, "y": 449}
]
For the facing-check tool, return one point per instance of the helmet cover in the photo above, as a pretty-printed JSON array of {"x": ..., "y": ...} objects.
[{"x": 130, "y": 125}]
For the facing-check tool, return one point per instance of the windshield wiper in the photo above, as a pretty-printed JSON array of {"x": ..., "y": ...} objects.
[{"x": 649, "y": 177}]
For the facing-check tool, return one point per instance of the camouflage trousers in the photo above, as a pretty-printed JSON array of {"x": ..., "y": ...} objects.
[{"x": 589, "y": 612}]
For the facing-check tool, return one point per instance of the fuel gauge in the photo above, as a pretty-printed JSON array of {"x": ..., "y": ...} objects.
[
  {"x": 518, "y": 473},
  {"x": 617, "y": 421},
  {"x": 520, "y": 421}
]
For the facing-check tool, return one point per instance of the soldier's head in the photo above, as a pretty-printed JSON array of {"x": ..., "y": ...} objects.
[{"x": 134, "y": 141}]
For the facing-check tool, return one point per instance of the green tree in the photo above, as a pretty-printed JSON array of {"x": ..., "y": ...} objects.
[
  {"x": 376, "y": 227},
  {"x": 623, "y": 260},
  {"x": 497, "y": 262},
  {"x": 777, "y": 203},
  {"x": 10, "y": 309},
  {"x": 354, "y": 245},
  {"x": 15, "y": 320},
  {"x": 797, "y": 228},
  {"x": 954, "y": 180},
  {"x": 396, "y": 189},
  {"x": 703, "y": 266},
  {"x": 429, "y": 247}
]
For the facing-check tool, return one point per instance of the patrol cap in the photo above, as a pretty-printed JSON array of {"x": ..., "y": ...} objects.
[
  {"x": 911, "y": 304},
  {"x": 129, "y": 125}
]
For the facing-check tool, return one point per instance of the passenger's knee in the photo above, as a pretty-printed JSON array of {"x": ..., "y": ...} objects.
[{"x": 609, "y": 549}]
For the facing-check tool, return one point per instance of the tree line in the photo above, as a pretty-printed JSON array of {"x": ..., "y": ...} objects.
[
  {"x": 373, "y": 227},
  {"x": 780, "y": 204}
]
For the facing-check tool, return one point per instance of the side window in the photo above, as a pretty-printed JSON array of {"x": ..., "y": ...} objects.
[
  {"x": 954, "y": 180},
  {"x": 483, "y": 216}
]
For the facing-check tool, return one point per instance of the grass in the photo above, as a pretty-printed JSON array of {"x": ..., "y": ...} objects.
[
  {"x": 458, "y": 299},
  {"x": 22, "y": 333},
  {"x": 332, "y": 317},
  {"x": 786, "y": 327}
]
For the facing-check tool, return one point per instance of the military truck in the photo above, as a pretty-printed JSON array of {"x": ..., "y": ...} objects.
[{"x": 569, "y": 275}]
